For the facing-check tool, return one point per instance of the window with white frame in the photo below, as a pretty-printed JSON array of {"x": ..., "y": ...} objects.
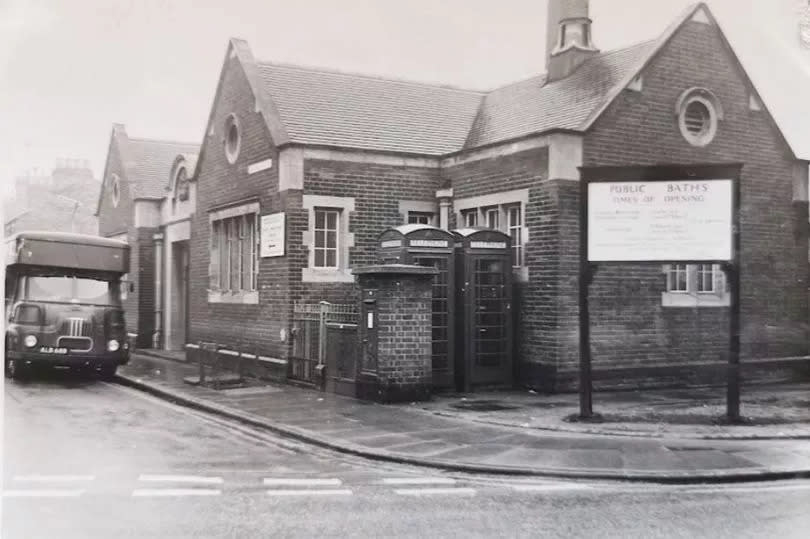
[
  {"x": 470, "y": 218},
  {"x": 491, "y": 218},
  {"x": 328, "y": 239},
  {"x": 420, "y": 218},
  {"x": 695, "y": 285},
  {"x": 676, "y": 278},
  {"x": 706, "y": 274},
  {"x": 515, "y": 230},
  {"x": 507, "y": 218},
  {"x": 327, "y": 232},
  {"x": 235, "y": 253}
]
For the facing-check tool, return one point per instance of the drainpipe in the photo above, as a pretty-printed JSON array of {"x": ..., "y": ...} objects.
[{"x": 156, "y": 337}]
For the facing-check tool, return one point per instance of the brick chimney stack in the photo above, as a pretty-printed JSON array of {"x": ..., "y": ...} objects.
[{"x": 568, "y": 37}]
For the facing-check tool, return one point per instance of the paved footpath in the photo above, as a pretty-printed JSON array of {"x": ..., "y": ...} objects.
[{"x": 411, "y": 435}]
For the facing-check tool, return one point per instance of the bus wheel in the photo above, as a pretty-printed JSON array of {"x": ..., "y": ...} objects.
[{"x": 107, "y": 372}]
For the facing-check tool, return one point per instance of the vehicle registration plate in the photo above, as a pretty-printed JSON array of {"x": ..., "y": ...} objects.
[{"x": 52, "y": 350}]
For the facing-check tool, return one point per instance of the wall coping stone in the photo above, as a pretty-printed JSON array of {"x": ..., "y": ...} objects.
[{"x": 395, "y": 269}]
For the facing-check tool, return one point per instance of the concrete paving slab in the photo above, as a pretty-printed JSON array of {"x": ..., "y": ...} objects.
[{"x": 405, "y": 434}]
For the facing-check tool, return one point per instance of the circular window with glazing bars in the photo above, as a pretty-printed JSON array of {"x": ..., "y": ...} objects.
[{"x": 699, "y": 113}]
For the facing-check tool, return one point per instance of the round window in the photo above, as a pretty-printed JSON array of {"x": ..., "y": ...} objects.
[
  {"x": 232, "y": 138},
  {"x": 115, "y": 194},
  {"x": 697, "y": 119}
]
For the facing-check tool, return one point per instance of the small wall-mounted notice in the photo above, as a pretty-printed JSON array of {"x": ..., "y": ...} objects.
[
  {"x": 272, "y": 235},
  {"x": 660, "y": 220},
  {"x": 370, "y": 320}
]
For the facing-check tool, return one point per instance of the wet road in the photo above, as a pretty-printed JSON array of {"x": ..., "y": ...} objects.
[{"x": 88, "y": 459}]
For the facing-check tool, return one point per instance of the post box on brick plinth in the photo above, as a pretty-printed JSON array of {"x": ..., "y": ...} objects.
[{"x": 395, "y": 331}]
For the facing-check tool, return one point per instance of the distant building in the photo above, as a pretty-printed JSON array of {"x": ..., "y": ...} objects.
[{"x": 63, "y": 200}]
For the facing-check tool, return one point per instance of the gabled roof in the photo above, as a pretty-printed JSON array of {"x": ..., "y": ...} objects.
[
  {"x": 357, "y": 111},
  {"x": 534, "y": 106},
  {"x": 317, "y": 107},
  {"x": 145, "y": 162},
  {"x": 148, "y": 162}
]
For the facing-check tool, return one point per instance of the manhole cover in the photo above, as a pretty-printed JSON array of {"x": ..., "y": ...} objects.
[{"x": 483, "y": 406}]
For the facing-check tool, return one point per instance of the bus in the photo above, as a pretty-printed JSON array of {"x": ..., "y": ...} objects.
[{"x": 63, "y": 303}]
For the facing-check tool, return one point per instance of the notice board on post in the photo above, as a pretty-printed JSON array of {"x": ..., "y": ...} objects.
[
  {"x": 652, "y": 221},
  {"x": 660, "y": 214}
]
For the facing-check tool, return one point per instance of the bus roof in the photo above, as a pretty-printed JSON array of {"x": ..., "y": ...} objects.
[{"x": 66, "y": 237}]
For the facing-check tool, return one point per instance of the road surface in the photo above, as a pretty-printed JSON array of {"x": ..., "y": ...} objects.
[{"x": 86, "y": 459}]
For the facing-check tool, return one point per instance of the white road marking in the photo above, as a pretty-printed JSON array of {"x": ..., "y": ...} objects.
[
  {"x": 181, "y": 479},
  {"x": 53, "y": 478},
  {"x": 144, "y": 492},
  {"x": 311, "y": 492},
  {"x": 434, "y": 491},
  {"x": 419, "y": 481},
  {"x": 43, "y": 493},
  {"x": 549, "y": 487},
  {"x": 297, "y": 482}
]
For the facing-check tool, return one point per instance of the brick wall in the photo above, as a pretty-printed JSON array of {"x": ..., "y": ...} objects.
[
  {"x": 377, "y": 190},
  {"x": 537, "y": 298},
  {"x": 115, "y": 220},
  {"x": 221, "y": 183},
  {"x": 404, "y": 334},
  {"x": 629, "y": 325}
]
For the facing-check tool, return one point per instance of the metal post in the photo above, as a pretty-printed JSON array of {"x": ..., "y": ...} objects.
[
  {"x": 733, "y": 276},
  {"x": 585, "y": 276},
  {"x": 201, "y": 351},
  {"x": 324, "y": 307}
]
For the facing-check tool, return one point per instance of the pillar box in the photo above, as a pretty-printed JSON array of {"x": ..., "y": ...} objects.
[{"x": 395, "y": 332}]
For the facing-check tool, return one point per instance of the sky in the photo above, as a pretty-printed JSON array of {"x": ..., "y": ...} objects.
[{"x": 70, "y": 69}]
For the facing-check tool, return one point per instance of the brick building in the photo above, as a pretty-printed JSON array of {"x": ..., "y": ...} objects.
[
  {"x": 133, "y": 206},
  {"x": 343, "y": 157},
  {"x": 62, "y": 200}
]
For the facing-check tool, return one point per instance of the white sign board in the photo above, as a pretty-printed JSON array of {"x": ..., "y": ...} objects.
[
  {"x": 660, "y": 221},
  {"x": 272, "y": 235}
]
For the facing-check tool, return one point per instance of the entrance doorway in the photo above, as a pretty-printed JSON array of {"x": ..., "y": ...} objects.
[{"x": 179, "y": 296}]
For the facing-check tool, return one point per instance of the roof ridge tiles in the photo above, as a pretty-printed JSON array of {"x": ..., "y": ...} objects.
[{"x": 161, "y": 141}]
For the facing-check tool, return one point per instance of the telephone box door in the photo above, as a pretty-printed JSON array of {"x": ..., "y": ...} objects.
[{"x": 490, "y": 357}]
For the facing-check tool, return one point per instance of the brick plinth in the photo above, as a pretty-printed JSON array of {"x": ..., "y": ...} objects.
[{"x": 396, "y": 302}]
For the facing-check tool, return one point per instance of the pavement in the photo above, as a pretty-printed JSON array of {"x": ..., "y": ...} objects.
[{"x": 498, "y": 439}]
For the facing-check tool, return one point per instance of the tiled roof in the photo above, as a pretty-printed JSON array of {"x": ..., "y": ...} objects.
[
  {"x": 357, "y": 111},
  {"x": 363, "y": 112},
  {"x": 149, "y": 164},
  {"x": 532, "y": 106}
]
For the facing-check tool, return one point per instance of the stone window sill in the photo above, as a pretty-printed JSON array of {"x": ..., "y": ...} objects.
[
  {"x": 675, "y": 299},
  {"x": 245, "y": 298}
]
